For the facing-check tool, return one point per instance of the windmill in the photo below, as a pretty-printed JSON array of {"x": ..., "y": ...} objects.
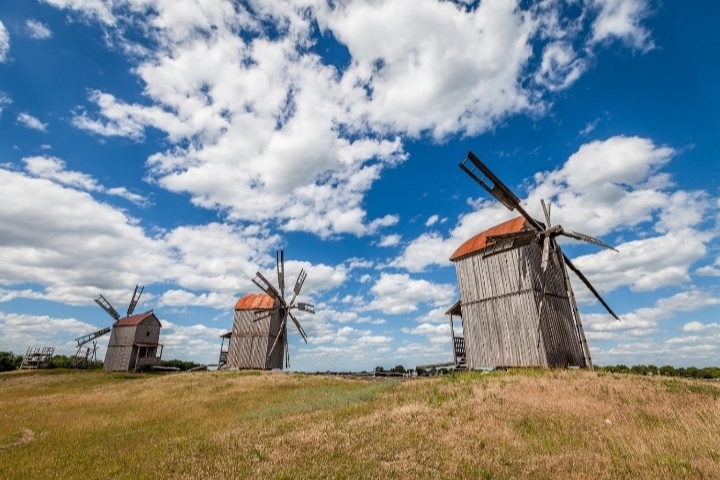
[
  {"x": 259, "y": 338},
  {"x": 538, "y": 290},
  {"x": 281, "y": 307},
  {"x": 85, "y": 354}
]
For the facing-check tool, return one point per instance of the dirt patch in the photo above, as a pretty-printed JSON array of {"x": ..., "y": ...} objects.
[{"x": 26, "y": 436}]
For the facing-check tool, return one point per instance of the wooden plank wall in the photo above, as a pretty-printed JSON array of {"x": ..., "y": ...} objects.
[
  {"x": 147, "y": 332},
  {"x": 251, "y": 341},
  {"x": 499, "y": 299},
  {"x": 117, "y": 357}
]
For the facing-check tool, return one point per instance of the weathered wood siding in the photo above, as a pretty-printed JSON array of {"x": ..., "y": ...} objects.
[
  {"x": 147, "y": 332},
  {"x": 500, "y": 301},
  {"x": 121, "y": 352},
  {"x": 251, "y": 342}
]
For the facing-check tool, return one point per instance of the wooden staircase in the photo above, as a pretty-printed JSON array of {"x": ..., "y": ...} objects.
[{"x": 460, "y": 359}]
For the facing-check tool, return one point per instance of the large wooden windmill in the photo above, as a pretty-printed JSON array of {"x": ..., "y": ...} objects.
[
  {"x": 259, "y": 337},
  {"x": 516, "y": 300},
  {"x": 133, "y": 341}
]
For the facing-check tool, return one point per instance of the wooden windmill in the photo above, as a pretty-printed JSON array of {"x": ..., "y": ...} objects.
[
  {"x": 134, "y": 339},
  {"x": 516, "y": 301},
  {"x": 259, "y": 338}
]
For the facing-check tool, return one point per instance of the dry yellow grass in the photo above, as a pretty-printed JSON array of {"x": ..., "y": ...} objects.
[{"x": 518, "y": 424}]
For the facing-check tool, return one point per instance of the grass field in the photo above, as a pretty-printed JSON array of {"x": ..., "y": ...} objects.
[{"x": 515, "y": 424}]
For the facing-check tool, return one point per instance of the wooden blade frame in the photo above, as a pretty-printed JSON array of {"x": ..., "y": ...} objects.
[
  {"x": 306, "y": 307},
  {"x": 265, "y": 285},
  {"x": 298, "y": 286},
  {"x": 280, "y": 334},
  {"x": 281, "y": 272},
  {"x": 589, "y": 285},
  {"x": 587, "y": 238},
  {"x": 105, "y": 305},
  {"x": 134, "y": 300},
  {"x": 299, "y": 327},
  {"x": 497, "y": 189}
]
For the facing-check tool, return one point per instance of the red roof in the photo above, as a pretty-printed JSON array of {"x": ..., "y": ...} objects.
[
  {"x": 255, "y": 301},
  {"x": 479, "y": 241},
  {"x": 134, "y": 319}
]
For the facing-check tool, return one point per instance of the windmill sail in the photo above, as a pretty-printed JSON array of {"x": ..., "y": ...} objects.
[{"x": 102, "y": 301}]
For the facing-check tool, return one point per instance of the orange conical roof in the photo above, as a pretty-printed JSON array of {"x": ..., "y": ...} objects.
[
  {"x": 255, "y": 301},
  {"x": 479, "y": 241}
]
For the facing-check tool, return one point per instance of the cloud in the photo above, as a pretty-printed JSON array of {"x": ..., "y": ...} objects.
[
  {"x": 91, "y": 9},
  {"x": 621, "y": 19},
  {"x": 398, "y": 294},
  {"x": 435, "y": 334},
  {"x": 432, "y": 220},
  {"x": 560, "y": 66},
  {"x": 31, "y": 122},
  {"x": 263, "y": 128},
  {"x": 41, "y": 330},
  {"x": 390, "y": 240},
  {"x": 53, "y": 168},
  {"x": 4, "y": 100},
  {"x": 644, "y": 321},
  {"x": 4, "y": 43},
  {"x": 37, "y": 30}
]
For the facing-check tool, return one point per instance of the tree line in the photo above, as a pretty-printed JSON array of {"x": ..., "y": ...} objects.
[
  {"x": 665, "y": 370},
  {"x": 9, "y": 361}
]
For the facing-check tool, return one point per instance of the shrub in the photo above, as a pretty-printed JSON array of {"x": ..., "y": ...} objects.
[{"x": 9, "y": 361}]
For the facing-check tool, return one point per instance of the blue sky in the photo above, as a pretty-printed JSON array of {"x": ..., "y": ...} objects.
[{"x": 177, "y": 144}]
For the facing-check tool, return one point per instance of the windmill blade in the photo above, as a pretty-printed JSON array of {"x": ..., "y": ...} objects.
[
  {"x": 92, "y": 336},
  {"x": 280, "y": 334},
  {"x": 280, "y": 262},
  {"x": 105, "y": 305},
  {"x": 287, "y": 355},
  {"x": 306, "y": 307},
  {"x": 299, "y": 283},
  {"x": 134, "y": 300},
  {"x": 589, "y": 285},
  {"x": 546, "y": 211},
  {"x": 497, "y": 189},
  {"x": 545, "y": 253},
  {"x": 589, "y": 239},
  {"x": 298, "y": 286},
  {"x": 265, "y": 285},
  {"x": 299, "y": 327}
]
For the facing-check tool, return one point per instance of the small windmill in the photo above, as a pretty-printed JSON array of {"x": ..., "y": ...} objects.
[
  {"x": 85, "y": 354},
  {"x": 281, "y": 308},
  {"x": 558, "y": 323}
]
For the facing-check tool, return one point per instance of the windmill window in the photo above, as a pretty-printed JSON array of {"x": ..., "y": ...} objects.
[{"x": 147, "y": 334}]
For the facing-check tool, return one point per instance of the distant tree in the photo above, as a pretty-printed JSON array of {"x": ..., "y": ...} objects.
[
  {"x": 379, "y": 369},
  {"x": 398, "y": 369},
  {"x": 60, "y": 361},
  {"x": 420, "y": 371},
  {"x": 182, "y": 365},
  {"x": 668, "y": 371},
  {"x": 639, "y": 370},
  {"x": 443, "y": 371},
  {"x": 8, "y": 361}
]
